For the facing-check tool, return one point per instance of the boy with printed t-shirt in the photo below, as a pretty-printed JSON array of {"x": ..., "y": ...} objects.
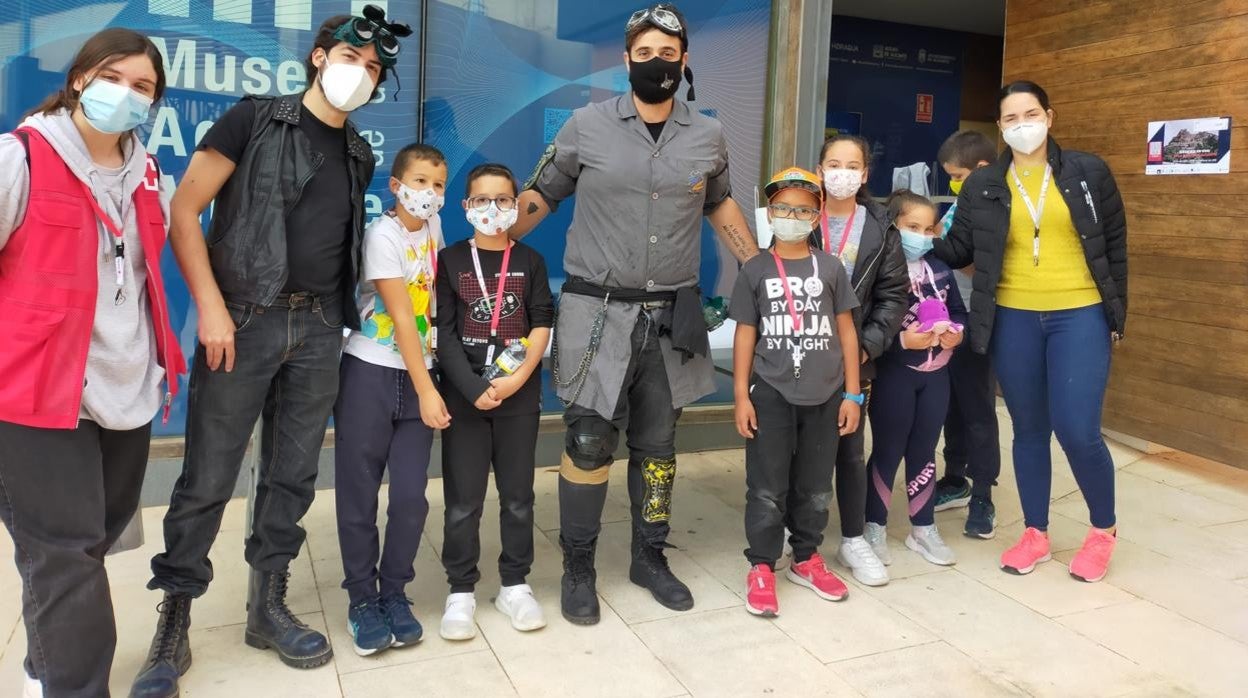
[
  {"x": 388, "y": 404},
  {"x": 796, "y": 388}
]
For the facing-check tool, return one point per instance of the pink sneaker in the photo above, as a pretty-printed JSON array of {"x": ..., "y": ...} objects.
[
  {"x": 813, "y": 574},
  {"x": 1092, "y": 561},
  {"x": 760, "y": 594},
  {"x": 1027, "y": 553}
]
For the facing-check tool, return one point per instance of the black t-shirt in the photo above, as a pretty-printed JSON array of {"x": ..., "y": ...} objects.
[
  {"x": 318, "y": 229},
  {"x": 656, "y": 129},
  {"x": 464, "y": 321}
]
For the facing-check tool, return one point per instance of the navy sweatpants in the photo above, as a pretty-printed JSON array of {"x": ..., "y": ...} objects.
[
  {"x": 907, "y": 412},
  {"x": 377, "y": 426}
]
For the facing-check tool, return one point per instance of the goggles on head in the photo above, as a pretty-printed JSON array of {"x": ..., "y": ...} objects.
[
  {"x": 373, "y": 28},
  {"x": 660, "y": 17}
]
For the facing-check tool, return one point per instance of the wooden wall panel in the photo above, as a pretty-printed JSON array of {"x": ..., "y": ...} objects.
[{"x": 1111, "y": 66}]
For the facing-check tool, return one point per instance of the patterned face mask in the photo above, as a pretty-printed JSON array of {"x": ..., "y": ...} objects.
[
  {"x": 422, "y": 203},
  {"x": 492, "y": 221}
]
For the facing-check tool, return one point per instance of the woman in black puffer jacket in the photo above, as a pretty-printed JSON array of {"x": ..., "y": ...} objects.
[{"x": 1046, "y": 232}]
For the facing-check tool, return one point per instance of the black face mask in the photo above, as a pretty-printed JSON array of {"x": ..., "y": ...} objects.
[{"x": 654, "y": 81}]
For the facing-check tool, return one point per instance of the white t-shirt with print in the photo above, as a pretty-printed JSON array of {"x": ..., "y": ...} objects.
[{"x": 393, "y": 252}]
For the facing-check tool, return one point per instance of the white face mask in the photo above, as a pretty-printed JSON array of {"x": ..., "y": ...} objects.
[
  {"x": 422, "y": 203},
  {"x": 346, "y": 87},
  {"x": 492, "y": 221},
  {"x": 842, "y": 183},
  {"x": 1027, "y": 137},
  {"x": 790, "y": 229}
]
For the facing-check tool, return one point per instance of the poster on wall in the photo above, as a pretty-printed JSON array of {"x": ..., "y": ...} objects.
[{"x": 1189, "y": 146}]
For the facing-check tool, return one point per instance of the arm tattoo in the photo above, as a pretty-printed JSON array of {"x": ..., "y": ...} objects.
[
  {"x": 531, "y": 209},
  {"x": 740, "y": 246}
]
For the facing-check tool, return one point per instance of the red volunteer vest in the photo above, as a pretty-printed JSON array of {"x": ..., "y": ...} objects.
[{"x": 48, "y": 287}]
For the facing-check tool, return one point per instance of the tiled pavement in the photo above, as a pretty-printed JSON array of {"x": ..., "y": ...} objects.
[{"x": 1171, "y": 619}]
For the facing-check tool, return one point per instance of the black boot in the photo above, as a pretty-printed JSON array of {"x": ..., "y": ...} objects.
[
  {"x": 170, "y": 654},
  {"x": 650, "y": 570},
  {"x": 271, "y": 625},
  {"x": 579, "y": 598}
]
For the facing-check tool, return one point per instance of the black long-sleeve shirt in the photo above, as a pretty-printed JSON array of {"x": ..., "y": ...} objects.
[{"x": 464, "y": 321}]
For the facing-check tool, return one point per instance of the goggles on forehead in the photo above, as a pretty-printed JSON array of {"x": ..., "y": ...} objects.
[
  {"x": 373, "y": 28},
  {"x": 660, "y": 17}
]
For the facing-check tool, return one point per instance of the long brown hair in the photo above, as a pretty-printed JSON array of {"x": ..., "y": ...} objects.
[
  {"x": 101, "y": 50},
  {"x": 864, "y": 194}
]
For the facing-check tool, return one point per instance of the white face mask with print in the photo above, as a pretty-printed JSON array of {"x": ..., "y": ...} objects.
[
  {"x": 842, "y": 183},
  {"x": 421, "y": 203},
  {"x": 1027, "y": 137},
  {"x": 492, "y": 221},
  {"x": 346, "y": 87}
]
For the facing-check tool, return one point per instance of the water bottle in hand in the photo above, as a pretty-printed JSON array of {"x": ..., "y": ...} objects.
[{"x": 509, "y": 362}]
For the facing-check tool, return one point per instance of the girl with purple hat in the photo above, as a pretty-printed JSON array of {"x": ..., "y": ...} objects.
[{"x": 911, "y": 393}]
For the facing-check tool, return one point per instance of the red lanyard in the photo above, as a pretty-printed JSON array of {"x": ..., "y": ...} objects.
[
  {"x": 496, "y": 310},
  {"x": 827, "y": 232},
  {"x": 788, "y": 292},
  {"x": 119, "y": 248}
]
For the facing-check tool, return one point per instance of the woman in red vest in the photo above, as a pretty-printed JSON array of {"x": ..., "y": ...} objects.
[{"x": 87, "y": 356}]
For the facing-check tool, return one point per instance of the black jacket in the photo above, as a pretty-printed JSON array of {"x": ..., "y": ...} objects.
[
  {"x": 982, "y": 221},
  {"x": 247, "y": 239},
  {"x": 882, "y": 284}
]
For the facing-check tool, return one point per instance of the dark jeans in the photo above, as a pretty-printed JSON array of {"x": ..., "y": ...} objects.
[
  {"x": 907, "y": 410},
  {"x": 1053, "y": 368},
  {"x": 972, "y": 436},
  {"x": 645, "y": 413},
  {"x": 377, "y": 426},
  {"x": 788, "y": 474},
  {"x": 65, "y": 497},
  {"x": 285, "y": 373},
  {"x": 851, "y": 474},
  {"x": 474, "y": 441}
]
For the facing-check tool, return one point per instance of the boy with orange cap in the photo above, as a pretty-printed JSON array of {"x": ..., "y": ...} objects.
[{"x": 796, "y": 389}]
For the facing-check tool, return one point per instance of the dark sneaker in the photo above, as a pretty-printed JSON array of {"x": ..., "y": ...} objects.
[
  {"x": 271, "y": 625},
  {"x": 980, "y": 519},
  {"x": 170, "y": 654},
  {"x": 368, "y": 628},
  {"x": 951, "y": 495},
  {"x": 397, "y": 609}
]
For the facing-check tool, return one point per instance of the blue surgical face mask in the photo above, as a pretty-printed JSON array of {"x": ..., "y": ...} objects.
[
  {"x": 113, "y": 108},
  {"x": 915, "y": 245}
]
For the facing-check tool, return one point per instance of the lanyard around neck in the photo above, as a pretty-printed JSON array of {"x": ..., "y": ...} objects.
[
  {"x": 119, "y": 243},
  {"x": 788, "y": 292},
  {"x": 497, "y": 307},
  {"x": 827, "y": 232},
  {"x": 1035, "y": 210}
]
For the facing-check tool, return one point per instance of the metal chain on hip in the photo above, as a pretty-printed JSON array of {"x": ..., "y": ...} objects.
[{"x": 591, "y": 350}]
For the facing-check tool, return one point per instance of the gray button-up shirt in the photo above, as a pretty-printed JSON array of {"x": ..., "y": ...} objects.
[{"x": 638, "y": 225}]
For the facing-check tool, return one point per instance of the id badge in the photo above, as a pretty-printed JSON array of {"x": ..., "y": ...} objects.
[{"x": 489, "y": 355}]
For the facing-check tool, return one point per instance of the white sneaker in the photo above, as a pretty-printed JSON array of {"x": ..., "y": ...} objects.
[
  {"x": 517, "y": 603},
  {"x": 32, "y": 688},
  {"x": 786, "y": 555},
  {"x": 857, "y": 555},
  {"x": 877, "y": 538},
  {"x": 926, "y": 541},
  {"x": 457, "y": 620}
]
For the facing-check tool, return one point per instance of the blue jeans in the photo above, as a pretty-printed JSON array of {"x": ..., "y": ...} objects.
[
  {"x": 1053, "y": 368},
  {"x": 285, "y": 373}
]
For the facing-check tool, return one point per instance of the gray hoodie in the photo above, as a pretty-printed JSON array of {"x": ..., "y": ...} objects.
[{"x": 123, "y": 383}]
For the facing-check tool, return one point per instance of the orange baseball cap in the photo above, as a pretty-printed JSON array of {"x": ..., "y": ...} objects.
[{"x": 794, "y": 177}]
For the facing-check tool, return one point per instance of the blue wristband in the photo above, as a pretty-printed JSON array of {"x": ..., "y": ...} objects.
[{"x": 855, "y": 397}]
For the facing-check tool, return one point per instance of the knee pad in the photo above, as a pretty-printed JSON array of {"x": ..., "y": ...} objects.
[
  {"x": 658, "y": 475},
  {"x": 591, "y": 442}
]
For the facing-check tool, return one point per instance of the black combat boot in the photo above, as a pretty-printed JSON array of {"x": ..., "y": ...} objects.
[
  {"x": 270, "y": 624},
  {"x": 579, "y": 598},
  {"x": 650, "y": 571},
  {"x": 170, "y": 654}
]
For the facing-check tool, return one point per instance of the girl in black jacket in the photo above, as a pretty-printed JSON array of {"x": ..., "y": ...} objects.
[
  {"x": 858, "y": 231},
  {"x": 1046, "y": 231}
]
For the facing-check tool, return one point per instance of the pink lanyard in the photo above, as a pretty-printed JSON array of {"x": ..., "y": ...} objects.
[
  {"x": 788, "y": 292},
  {"x": 433, "y": 254},
  {"x": 496, "y": 310},
  {"x": 827, "y": 232}
]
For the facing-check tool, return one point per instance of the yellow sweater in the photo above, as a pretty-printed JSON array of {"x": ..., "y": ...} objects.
[{"x": 1062, "y": 280}]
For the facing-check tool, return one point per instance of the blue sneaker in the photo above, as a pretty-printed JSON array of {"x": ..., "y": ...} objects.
[
  {"x": 980, "y": 519},
  {"x": 398, "y": 612},
  {"x": 952, "y": 495},
  {"x": 367, "y": 625}
]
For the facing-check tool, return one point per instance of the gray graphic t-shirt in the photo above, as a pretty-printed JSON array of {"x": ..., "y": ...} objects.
[{"x": 813, "y": 349}]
